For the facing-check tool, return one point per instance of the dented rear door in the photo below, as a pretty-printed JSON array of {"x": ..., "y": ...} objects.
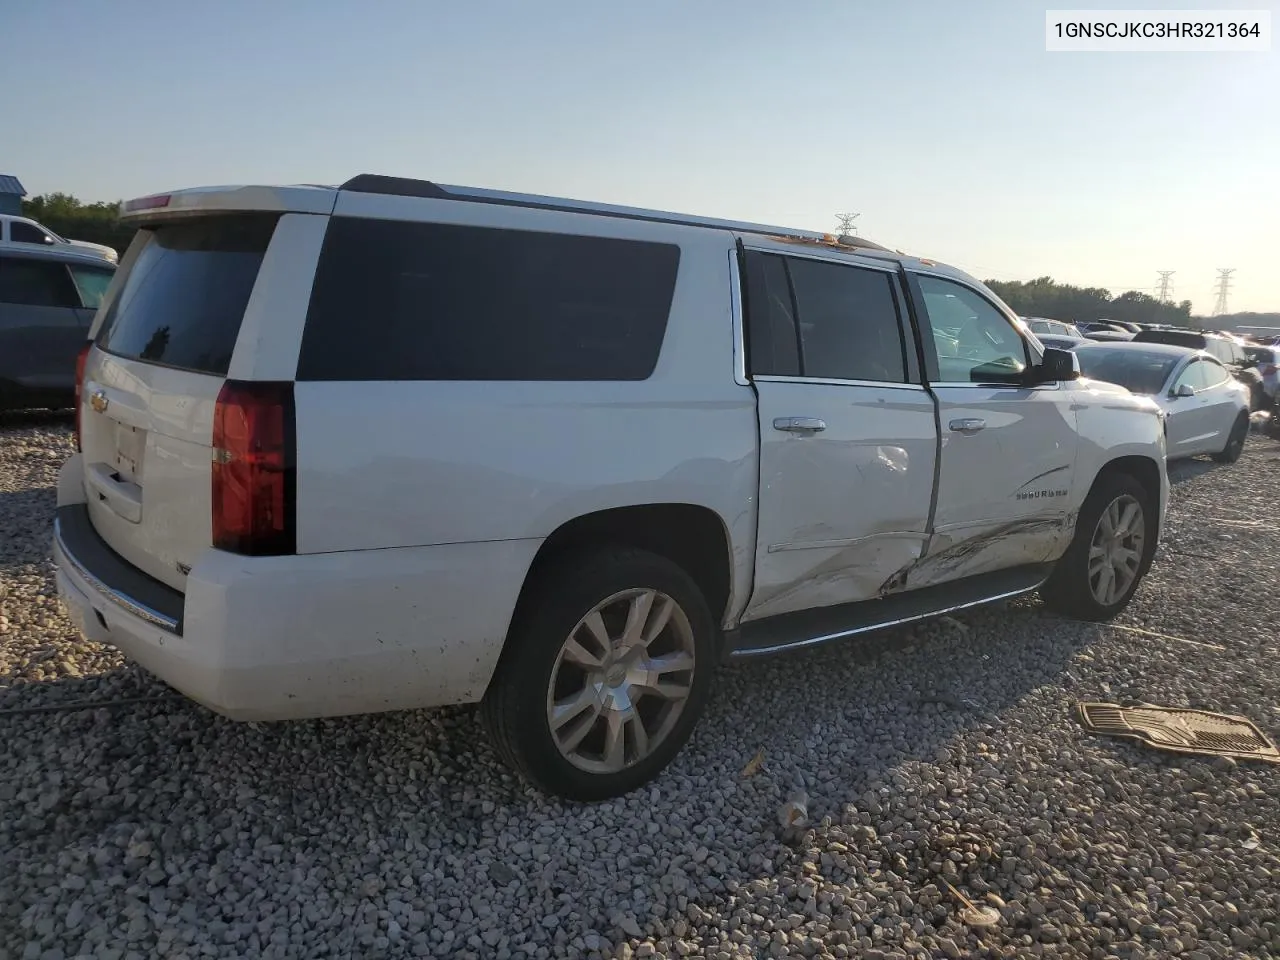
[{"x": 847, "y": 438}]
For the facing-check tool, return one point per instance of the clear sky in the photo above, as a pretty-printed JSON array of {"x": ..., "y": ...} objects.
[{"x": 945, "y": 124}]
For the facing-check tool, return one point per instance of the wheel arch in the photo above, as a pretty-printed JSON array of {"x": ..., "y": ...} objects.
[{"x": 694, "y": 537}]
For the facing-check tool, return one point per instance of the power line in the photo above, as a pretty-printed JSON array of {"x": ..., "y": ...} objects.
[
  {"x": 1165, "y": 295},
  {"x": 844, "y": 224},
  {"x": 1224, "y": 287}
]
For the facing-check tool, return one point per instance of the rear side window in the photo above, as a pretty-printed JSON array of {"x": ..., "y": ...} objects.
[
  {"x": 36, "y": 283},
  {"x": 849, "y": 327},
  {"x": 424, "y": 301},
  {"x": 92, "y": 283},
  {"x": 1214, "y": 373},
  {"x": 772, "y": 345},
  {"x": 184, "y": 297},
  {"x": 26, "y": 233}
]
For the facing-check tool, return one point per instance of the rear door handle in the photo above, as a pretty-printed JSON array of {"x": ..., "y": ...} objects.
[
  {"x": 967, "y": 424},
  {"x": 799, "y": 424}
]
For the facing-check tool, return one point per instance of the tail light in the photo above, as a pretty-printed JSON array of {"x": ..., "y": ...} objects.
[
  {"x": 81, "y": 357},
  {"x": 1268, "y": 369},
  {"x": 254, "y": 469}
]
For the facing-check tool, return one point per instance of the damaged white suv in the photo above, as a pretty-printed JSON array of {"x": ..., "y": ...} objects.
[{"x": 392, "y": 445}]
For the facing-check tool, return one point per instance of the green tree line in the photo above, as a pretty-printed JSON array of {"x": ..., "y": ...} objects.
[
  {"x": 1045, "y": 297},
  {"x": 76, "y": 220}
]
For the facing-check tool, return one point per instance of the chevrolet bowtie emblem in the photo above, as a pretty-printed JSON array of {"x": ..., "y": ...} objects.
[{"x": 98, "y": 400}]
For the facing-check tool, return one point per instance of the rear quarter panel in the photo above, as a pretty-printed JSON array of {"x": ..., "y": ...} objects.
[{"x": 414, "y": 463}]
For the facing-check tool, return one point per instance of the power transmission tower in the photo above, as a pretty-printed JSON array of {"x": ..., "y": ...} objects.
[
  {"x": 1165, "y": 294},
  {"x": 844, "y": 224},
  {"x": 1224, "y": 287}
]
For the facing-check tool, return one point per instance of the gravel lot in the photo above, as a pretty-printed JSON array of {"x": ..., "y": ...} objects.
[{"x": 947, "y": 751}]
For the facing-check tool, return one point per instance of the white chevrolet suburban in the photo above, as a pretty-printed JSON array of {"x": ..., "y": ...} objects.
[{"x": 395, "y": 444}]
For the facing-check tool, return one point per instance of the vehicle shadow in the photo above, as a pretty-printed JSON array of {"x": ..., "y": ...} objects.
[{"x": 25, "y": 419}]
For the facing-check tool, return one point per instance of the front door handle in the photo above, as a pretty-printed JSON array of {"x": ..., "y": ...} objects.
[
  {"x": 799, "y": 424},
  {"x": 967, "y": 424}
]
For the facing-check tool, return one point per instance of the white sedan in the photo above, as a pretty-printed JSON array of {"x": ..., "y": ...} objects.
[{"x": 1206, "y": 408}]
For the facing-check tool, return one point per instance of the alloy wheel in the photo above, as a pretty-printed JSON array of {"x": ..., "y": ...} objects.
[
  {"x": 621, "y": 680},
  {"x": 1115, "y": 553}
]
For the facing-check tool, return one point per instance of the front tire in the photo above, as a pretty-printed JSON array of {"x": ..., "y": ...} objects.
[
  {"x": 1235, "y": 441},
  {"x": 606, "y": 670},
  {"x": 1110, "y": 553}
]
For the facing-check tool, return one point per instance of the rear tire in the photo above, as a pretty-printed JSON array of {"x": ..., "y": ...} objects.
[
  {"x": 1109, "y": 554},
  {"x": 1235, "y": 441},
  {"x": 582, "y": 705}
]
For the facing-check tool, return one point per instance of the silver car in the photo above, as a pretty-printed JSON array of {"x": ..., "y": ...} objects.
[
  {"x": 1206, "y": 408},
  {"x": 47, "y": 302}
]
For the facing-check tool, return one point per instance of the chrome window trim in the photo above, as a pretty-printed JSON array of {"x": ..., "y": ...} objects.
[
  {"x": 738, "y": 318},
  {"x": 837, "y": 257},
  {"x": 833, "y": 382}
]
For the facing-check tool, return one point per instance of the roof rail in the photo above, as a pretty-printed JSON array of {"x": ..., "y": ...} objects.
[{"x": 405, "y": 187}]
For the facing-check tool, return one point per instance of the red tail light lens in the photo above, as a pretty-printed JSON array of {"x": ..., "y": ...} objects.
[
  {"x": 1268, "y": 369},
  {"x": 254, "y": 474},
  {"x": 81, "y": 357}
]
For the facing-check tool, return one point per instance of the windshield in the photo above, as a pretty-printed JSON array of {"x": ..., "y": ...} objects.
[{"x": 1138, "y": 371}]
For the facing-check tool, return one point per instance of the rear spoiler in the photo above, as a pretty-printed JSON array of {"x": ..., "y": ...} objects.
[{"x": 229, "y": 199}]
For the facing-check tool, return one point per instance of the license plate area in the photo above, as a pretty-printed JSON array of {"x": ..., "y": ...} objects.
[{"x": 130, "y": 445}]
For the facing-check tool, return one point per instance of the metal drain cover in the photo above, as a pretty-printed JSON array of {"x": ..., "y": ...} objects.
[{"x": 1179, "y": 730}]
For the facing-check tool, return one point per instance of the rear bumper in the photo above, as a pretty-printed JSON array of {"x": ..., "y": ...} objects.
[{"x": 275, "y": 638}]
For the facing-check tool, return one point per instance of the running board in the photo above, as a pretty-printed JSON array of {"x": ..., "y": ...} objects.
[{"x": 806, "y": 628}]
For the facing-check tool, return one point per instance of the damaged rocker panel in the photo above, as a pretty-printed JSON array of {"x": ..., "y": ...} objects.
[{"x": 810, "y": 627}]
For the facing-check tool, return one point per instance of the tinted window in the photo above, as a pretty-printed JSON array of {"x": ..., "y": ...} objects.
[
  {"x": 91, "y": 282},
  {"x": 1139, "y": 371},
  {"x": 36, "y": 283},
  {"x": 423, "y": 301},
  {"x": 975, "y": 342},
  {"x": 25, "y": 233},
  {"x": 849, "y": 328},
  {"x": 182, "y": 301},
  {"x": 772, "y": 347}
]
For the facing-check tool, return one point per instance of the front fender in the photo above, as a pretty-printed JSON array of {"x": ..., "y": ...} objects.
[{"x": 1114, "y": 427}]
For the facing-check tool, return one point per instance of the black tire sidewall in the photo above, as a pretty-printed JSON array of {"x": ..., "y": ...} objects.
[
  {"x": 1069, "y": 590},
  {"x": 1236, "y": 440},
  {"x": 563, "y": 596}
]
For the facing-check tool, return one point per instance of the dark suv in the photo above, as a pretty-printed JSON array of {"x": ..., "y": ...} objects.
[
  {"x": 47, "y": 301},
  {"x": 1229, "y": 353}
]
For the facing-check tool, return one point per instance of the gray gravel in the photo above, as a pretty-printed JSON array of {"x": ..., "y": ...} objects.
[{"x": 944, "y": 752}]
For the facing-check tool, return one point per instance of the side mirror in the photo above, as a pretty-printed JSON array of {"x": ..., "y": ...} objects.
[
  {"x": 49, "y": 240},
  {"x": 1057, "y": 365},
  {"x": 1185, "y": 390}
]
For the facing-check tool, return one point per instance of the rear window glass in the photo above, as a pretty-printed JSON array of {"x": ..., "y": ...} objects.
[
  {"x": 421, "y": 301},
  {"x": 185, "y": 295}
]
